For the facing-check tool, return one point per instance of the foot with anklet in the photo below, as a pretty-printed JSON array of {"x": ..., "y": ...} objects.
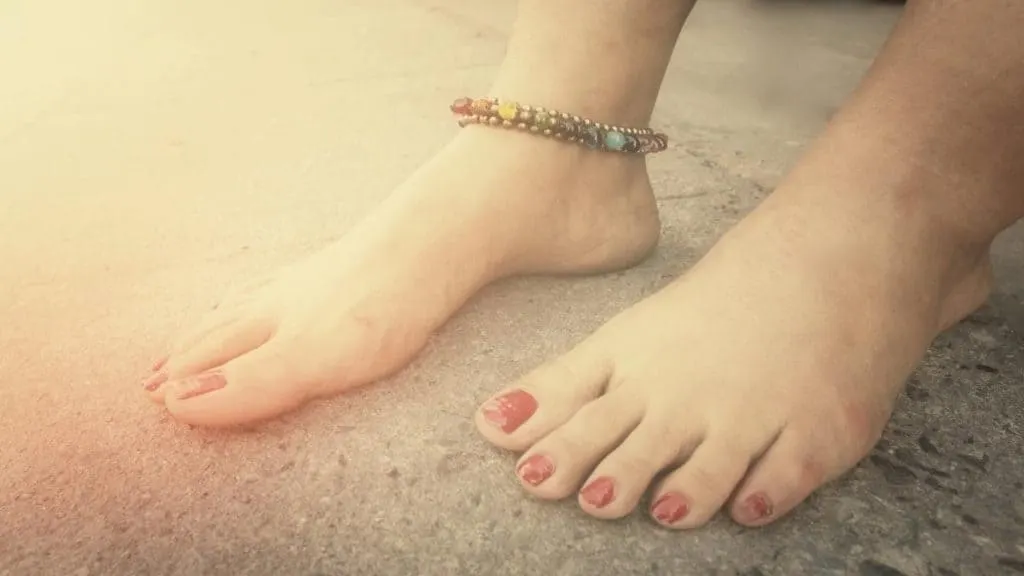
[{"x": 553, "y": 182}]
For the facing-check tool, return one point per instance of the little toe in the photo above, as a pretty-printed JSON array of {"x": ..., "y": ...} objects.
[
  {"x": 215, "y": 348},
  {"x": 695, "y": 492},
  {"x": 783, "y": 478},
  {"x": 620, "y": 480},
  {"x": 262, "y": 383},
  {"x": 520, "y": 415},
  {"x": 555, "y": 467}
]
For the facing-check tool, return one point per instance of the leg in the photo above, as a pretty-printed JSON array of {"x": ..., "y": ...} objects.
[
  {"x": 773, "y": 365},
  {"x": 363, "y": 307}
]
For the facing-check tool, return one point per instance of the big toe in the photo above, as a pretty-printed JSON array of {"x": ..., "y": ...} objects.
[
  {"x": 520, "y": 415},
  {"x": 260, "y": 384},
  {"x": 206, "y": 350}
]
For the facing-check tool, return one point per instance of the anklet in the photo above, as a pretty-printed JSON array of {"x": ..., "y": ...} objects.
[{"x": 555, "y": 124}]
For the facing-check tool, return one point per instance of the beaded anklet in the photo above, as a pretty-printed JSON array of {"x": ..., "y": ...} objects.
[{"x": 555, "y": 124}]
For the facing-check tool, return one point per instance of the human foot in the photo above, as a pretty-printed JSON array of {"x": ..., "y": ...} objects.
[
  {"x": 492, "y": 204},
  {"x": 766, "y": 371}
]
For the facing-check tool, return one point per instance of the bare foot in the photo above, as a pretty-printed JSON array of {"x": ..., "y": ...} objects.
[
  {"x": 766, "y": 371},
  {"x": 492, "y": 204}
]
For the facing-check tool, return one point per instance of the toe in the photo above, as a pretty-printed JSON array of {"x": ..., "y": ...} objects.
[
  {"x": 215, "y": 348},
  {"x": 692, "y": 494},
  {"x": 260, "y": 384},
  {"x": 783, "y": 478},
  {"x": 556, "y": 465},
  {"x": 520, "y": 415},
  {"x": 620, "y": 480}
]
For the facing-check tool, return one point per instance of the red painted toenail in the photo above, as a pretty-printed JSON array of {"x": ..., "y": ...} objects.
[
  {"x": 599, "y": 493},
  {"x": 200, "y": 384},
  {"x": 160, "y": 363},
  {"x": 758, "y": 507},
  {"x": 670, "y": 508},
  {"x": 510, "y": 410},
  {"x": 536, "y": 469},
  {"x": 154, "y": 381}
]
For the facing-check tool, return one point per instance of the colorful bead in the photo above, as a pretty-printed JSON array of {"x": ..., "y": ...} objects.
[
  {"x": 462, "y": 106},
  {"x": 481, "y": 106},
  {"x": 591, "y": 137},
  {"x": 508, "y": 110},
  {"x": 615, "y": 140},
  {"x": 542, "y": 119}
]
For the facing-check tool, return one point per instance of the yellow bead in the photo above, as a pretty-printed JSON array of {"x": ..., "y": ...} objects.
[{"x": 508, "y": 110}]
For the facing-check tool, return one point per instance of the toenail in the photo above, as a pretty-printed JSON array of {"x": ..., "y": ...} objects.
[
  {"x": 159, "y": 363},
  {"x": 670, "y": 508},
  {"x": 536, "y": 469},
  {"x": 758, "y": 507},
  {"x": 154, "y": 381},
  {"x": 599, "y": 493},
  {"x": 509, "y": 411},
  {"x": 200, "y": 384}
]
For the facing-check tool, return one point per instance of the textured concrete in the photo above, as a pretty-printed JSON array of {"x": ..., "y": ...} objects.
[{"x": 153, "y": 153}]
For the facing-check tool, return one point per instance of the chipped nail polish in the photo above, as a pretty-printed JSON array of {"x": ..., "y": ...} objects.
[
  {"x": 670, "y": 508},
  {"x": 599, "y": 493},
  {"x": 509, "y": 411},
  {"x": 200, "y": 384},
  {"x": 536, "y": 469},
  {"x": 758, "y": 507},
  {"x": 154, "y": 381}
]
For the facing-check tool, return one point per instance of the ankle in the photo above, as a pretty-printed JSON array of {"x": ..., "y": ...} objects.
[
  {"x": 536, "y": 205},
  {"x": 608, "y": 65},
  {"x": 882, "y": 227},
  {"x": 957, "y": 216},
  {"x": 614, "y": 104},
  {"x": 970, "y": 197}
]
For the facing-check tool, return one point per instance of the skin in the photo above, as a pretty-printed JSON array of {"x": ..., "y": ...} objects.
[
  {"x": 767, "y": 370},
  {"x": 363, "y": 307},
  {"x": 773, "y": 365}
]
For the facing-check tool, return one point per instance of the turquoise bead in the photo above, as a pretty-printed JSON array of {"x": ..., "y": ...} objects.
[{"x": 615, "y": 140}]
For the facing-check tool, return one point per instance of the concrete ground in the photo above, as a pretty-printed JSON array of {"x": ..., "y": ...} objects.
[{"x": 154, "y": 153}]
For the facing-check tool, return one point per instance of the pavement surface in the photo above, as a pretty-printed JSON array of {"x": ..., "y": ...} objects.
[{"x": 153, "y": 154}]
